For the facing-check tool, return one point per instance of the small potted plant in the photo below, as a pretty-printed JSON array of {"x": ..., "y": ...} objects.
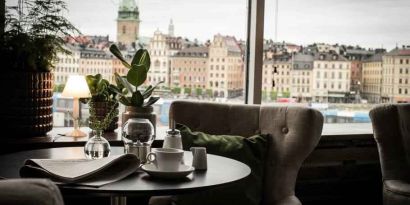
[
  {"x": 103, "y": 100},
  {"x": 97, "y": 146},
  {"x": 29, "y": 46},
  {"x": 138, "y": 102}
]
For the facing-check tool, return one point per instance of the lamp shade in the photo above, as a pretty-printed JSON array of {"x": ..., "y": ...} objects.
[{"x": 77, "y": 87}]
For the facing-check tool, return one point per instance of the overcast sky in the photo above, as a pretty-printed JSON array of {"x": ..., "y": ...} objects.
[{"x": 369, "y": 23}]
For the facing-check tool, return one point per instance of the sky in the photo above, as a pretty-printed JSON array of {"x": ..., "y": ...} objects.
[{"x": 368, "y": 23}]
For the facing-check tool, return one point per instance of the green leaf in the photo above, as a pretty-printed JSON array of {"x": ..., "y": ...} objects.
[
  {"x": 137, "y": 99},
  {"x": 147, "y": 93},
  {"x": 117, "y": 53},
  {"x": 91, "y": 82},
  {"x": 125, "y": 101},
  {"x": 137, "y": 75},
  {"x": 141, "y": 57},
  {"x": 114, "y": 89},
  {"x": 151, "y": 101},
  {"x": 123, "y": 82},
  {"x": 98, "y": 78}
]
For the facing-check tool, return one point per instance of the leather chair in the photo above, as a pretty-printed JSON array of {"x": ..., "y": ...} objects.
[
  {"x": 295, "y": 133},
  {"x": 391, "y": 125},
  {"x": 29, "y": 191}
]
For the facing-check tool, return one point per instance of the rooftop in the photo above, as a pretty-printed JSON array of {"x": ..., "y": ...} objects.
[{"x": 405, "y": 51}]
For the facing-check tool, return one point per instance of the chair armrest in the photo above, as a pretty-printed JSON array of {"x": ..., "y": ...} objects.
[
  {"x": 397, "y": 187},
  {"x": 29, "y": 191}
]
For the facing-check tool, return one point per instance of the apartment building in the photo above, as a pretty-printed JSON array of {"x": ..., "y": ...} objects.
[
  {"x": 161, "y": 48},
  {"x": 94, "y": 61},
  {"x": 276, "y": 78},
  {"x": 396, "y": 75},
  {"x": 190, "y": 68},
  {"x": 66, "y": 65},
  {"x": 302, "y": 77},
  {"x": 371, "y": 83},
  {"x": 331, "y": 78},
  {"x": 226, "y": 67}
]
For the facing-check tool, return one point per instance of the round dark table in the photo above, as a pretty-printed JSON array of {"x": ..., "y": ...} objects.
[{"x": 221, "y": 171}]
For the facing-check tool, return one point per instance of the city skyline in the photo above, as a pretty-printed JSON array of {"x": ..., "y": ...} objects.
[{"x": 301, "y": 22}]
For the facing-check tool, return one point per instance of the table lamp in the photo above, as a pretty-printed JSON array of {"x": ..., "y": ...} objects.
[{"x": 76, "y": 87}]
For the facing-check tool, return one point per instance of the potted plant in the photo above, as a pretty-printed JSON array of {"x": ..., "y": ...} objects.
[
  {"x": 103, "y": 100},
  {"x": 97, "y": 146},
  {"x": 30, "y": 43},
  {"x": 138, "y": 103}
]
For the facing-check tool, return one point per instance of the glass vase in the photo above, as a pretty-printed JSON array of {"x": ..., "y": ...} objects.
[{"x": 97, "y": 146}]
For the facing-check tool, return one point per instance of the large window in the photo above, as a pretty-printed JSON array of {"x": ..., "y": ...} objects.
[
  {"x": 197, "y": 48},
  {"x": 336, "y": 56}
]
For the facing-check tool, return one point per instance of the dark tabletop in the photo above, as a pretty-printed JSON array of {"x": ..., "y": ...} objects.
[{"x": 221, "y": 172}]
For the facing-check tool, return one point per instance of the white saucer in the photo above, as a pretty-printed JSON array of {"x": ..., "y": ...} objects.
[{"x": 153, "y": 171}]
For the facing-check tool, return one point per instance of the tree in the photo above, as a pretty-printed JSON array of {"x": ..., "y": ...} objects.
[
  {"x": 59, "y": 88},
  {"x": 187, "y": 91},
  {"x": 176, "y": 90},
  {"x": 273, "y": 95},
  {"x": 198, "y": 91},
  {"x": 264, "y": 95},
  {"x": 286, "y": 94}
]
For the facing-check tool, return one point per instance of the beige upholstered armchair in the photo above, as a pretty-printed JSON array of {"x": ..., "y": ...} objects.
[
  {"x": 295, "y": 133},
  {"x": 29, "y": 191},
  {"x": 391, "y": 125}
]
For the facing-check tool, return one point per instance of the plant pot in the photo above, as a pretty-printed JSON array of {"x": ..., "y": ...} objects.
[
  {"x": 140, "y": 112},
  {"x": 102, "y": 109},
  {"x": 27, "y": 103}
]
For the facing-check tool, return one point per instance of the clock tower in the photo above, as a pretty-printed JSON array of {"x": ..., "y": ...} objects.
[{"x": 128, "y": 23}]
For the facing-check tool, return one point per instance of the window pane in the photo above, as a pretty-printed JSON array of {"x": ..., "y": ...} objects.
[
  {"x": 196, "y": 48},
  {"x": 336, "y": 63}
]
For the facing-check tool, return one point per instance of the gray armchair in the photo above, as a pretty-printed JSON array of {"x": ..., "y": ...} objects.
[
  {"x": 391, "y": 125},
  {"x": 29, "y": 192},
  {"x": 295, "y": 130}
]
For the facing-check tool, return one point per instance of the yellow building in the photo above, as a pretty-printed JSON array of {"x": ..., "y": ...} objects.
[
  {"x": 95, "y": 61},
  {"x": 302, "y": 77},
  {"x": 371, "y": 82},
  {"x": 66, "y": 65},
  {"x": 226, "y": 67},
  {"x": 276, "y": 78},
  {"x": 396, "y": 76}
]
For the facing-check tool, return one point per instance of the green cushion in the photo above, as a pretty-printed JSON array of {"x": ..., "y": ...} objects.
[{"x": 251, "y": 151}]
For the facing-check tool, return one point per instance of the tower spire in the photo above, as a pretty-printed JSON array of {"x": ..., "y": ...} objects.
[{"x": 171, "y": 28}]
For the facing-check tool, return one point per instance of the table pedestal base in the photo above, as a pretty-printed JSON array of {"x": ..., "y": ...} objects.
[{"x": 118, "y": 200}]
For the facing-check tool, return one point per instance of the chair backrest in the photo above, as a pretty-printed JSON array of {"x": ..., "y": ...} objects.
[
  {"x": 295, "y": 132},
  {"x": 391, "y": 127}
]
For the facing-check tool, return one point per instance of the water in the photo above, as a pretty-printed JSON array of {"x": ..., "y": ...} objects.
[{"x": 97, "y": 147}]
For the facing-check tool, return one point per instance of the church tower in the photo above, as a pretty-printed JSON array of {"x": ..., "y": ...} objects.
[
  {"x": 128, "y": 23},
  {"x": 171, "y": 28}
]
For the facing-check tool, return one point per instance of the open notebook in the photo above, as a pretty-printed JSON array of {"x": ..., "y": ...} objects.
[{"x": 85, "y": 172}]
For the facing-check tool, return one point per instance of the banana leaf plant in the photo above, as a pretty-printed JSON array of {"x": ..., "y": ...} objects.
[
  {"x": 128, "y": 87},
  {"x": 101, "y": 90}
]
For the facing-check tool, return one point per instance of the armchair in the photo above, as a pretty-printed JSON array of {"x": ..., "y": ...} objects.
[
  {"x": 295, "y": 133},
  {"x": 29, "y": 191},
  {"x": 391, "y": 125}
]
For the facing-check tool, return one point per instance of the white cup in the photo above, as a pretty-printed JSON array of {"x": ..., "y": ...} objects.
[{"x": 166, "y": 159}]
